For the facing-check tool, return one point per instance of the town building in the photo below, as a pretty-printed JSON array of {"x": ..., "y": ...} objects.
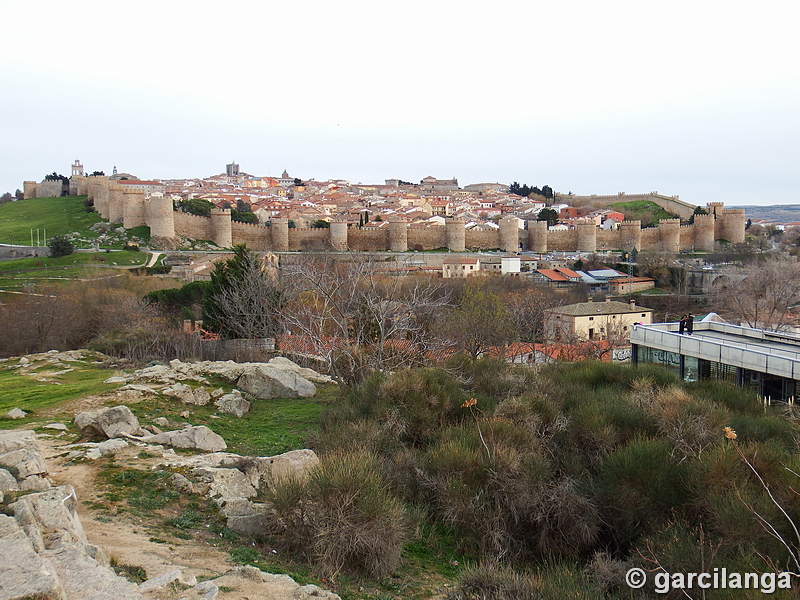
[
  {"x": 766, "y": 362},
  {"x": 609, "y": 320}
]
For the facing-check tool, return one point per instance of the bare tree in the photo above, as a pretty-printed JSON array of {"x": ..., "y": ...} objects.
[
  {"x": 359, "y": 319},
  {"x": 480, "y": 320},
  {"x": 763, "y": 298}
]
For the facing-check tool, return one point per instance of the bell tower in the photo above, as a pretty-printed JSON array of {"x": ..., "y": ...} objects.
[{"x": 77, "y": 168}]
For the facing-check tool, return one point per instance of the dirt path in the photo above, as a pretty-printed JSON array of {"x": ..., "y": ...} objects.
[{"x": 128, "y": 539}]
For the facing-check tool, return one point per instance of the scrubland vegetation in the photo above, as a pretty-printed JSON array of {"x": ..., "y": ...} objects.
[{"x": 566, "y": 476}]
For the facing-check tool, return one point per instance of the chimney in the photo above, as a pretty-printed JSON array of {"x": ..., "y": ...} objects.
[
  {"x": 608, "y": 298},
  {"x": 633, "y": 303},
  {"x": 590, "y": 299}
]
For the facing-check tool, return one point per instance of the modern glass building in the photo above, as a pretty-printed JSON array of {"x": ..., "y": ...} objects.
[{"x": 767, "y": 362}]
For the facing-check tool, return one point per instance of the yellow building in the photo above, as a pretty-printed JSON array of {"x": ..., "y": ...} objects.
[{"x": 609, "y": 320}]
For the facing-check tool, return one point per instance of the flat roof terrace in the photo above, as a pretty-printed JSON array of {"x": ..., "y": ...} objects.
[{"x": 755, "y": 349}]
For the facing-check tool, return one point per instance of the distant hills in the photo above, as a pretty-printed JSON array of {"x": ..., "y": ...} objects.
[{"x": 776, "y": 213}]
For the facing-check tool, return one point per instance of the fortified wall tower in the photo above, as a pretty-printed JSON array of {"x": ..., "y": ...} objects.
[
  {"x": 509, "y": 234},
  {"x": 669, "y": 235},
  {"x": 29, "y": 189},
  {"x": 587, "y": 236},
  {"x": 630, "y": 235},
  {"x": 115, "y": 202},
  {"x": 456, "y": 234},
  {"x": 398, "y": 234},
  {"x": 221, "y": 233},
  {"x": 132, "y": 209},
  {"x": 338, "y": 231},
  {"x": 158, "y": 214},
  {"x": 537, "y": 236},
  {"x": 279, "y": 231},
  {"x": 704, "y": 233}
]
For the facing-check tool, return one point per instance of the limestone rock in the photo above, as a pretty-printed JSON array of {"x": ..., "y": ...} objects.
[
  {"x": 111, "y": 446},
  {"x": 201, "y": 396},
  {"x": 15, "y": 439},
  {"x": 161, "y": 581},
  {"x": 25, "y": 574},
  {"x": 198, "y": 437},
  {"x": 285, "y": 364},
  {"x": 85, "y": 578},
  {"x": 8, "y": 482},
  {"x": 107, "y": 423},
  {"x": 226, "y": 460},
  {"x": 56, "y": 426},
  {"x": 264, "y": 381},
  {"x": 223, "y": 482},
  {"x": 35, "y": 483},
  {"x": 24, "y": 462},
  {"x": 161, "y": 421},
  {"x": 233, "y": 404},
  {"x": 16, "y": 413},
  {"x": 262, "y": 470},
  {"x": 181, "y": 391},
  {"x": 54, "y": 513}
]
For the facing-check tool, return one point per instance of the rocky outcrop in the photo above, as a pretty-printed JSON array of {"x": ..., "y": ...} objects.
[
  {"x": 287, "y": 379},
  {"x": 44, "y": 552},
  {"x": 22, "y": 466},
  {"x": 198, "y": 437},
  {"x": 265, "y": 381},
  {"x": 105, "y": 423},
  {"x": 233, "y": 404}
]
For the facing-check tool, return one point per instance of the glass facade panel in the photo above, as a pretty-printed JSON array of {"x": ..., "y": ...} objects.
[
  {"x": 722, "y": 372},
  {"x": 671, "y": 360},
  {"x": 691, "y": 368}
]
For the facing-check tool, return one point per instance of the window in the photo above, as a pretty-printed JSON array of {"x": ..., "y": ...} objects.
[{"x": 591, "y": 318}]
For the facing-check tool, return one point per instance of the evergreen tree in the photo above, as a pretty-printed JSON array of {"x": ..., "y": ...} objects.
[{"x": 60, "y": 246}]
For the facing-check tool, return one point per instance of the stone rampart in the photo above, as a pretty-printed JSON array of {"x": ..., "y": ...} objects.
[
  {"x": 257, "y": 237},
  {"x": 368, "y": 240},
  {"x": 562, "y": 241},
  {"x": 132, "y": 209},
  {"x": 309, "y": 240},
  {"x": 428, "y": 238},
  {"x": 191, "y": 226},
  {"x": 483, "y": 240}
]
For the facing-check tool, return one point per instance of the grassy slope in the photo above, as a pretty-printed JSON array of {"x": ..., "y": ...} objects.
[
  {"x": 25, "y": 392},
  {"x": 15, "y": 274},
  {"x": 642, "y": 209},
  {"x": 272, "y": 427},
  {"x": 58, "y": 216}
]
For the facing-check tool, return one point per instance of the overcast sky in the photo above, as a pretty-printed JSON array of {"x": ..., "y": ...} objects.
[{"x": 698, "y": 99}]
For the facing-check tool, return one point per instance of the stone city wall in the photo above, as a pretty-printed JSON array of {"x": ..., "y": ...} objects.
[
  {"x": 257, "y": 237},
  {"x": 157, "y": 212},
  {"x": 366, "y": 240},
  {"x": 482, "y": 240},
  {"x": 192, "y": 226},
  {"x": 430, "y": 238}
]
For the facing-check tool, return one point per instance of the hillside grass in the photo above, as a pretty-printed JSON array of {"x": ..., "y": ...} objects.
[
  {"x": 271, "y": 427},
  {"x": 58, "y": 216},
  {"x": 54, "y": 216},
  {"x": 26, "y": 273},
  {"x": 645, "y": 210},
  {"x": 32, "y": 396}
]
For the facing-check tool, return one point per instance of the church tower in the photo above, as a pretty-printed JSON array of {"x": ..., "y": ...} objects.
[{"x": 77, "y": 168}]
